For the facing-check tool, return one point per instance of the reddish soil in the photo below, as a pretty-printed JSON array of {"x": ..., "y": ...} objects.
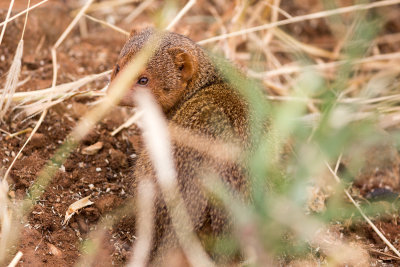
[{"x": 105, "y": 176}]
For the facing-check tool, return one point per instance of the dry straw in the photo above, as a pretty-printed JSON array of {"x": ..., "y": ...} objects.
[
  {"x": 145, "y": 223},
  {"x": 23, "y": 12},
  {"x": 15, "y": 69},
  {"x": 157, "y": 141},
  {"x": 44, "y": 113},
  {"x": 7, "y": 17},
  {"x": 316, "y": 15},
  {"x": 12, "y": 80},
  {"x": 16, "y": 259},
  {"x": 5, "y": 219},
  {"x": 373, "y": 226}
]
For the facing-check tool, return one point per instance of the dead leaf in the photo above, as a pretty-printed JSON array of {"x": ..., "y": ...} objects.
[
  {"x": 75, "y": 207},
  {"x": 93, "y": 149}
]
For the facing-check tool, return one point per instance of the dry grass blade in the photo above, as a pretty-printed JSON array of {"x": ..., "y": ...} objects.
[
  {"x": 18, "y": 84},
  {"x": 181, "y": 14},
  {"x": 63, "y": 36},
  {"x": 384, "y": 254},
  {"x": 144, "y": 223},
  {"x": 14, "y": 72},
  {"x": 157, "y": 141},
  {"x": 55, "y": 92},
  {"x": 217, "y": 149},
  {"x": 145, "y": 4},
  {"x": 5, "y": 219},
  {"x": 16, "y": 259},
  {"x": 102, "y": 22},
  {"x": 7, "y": 16},
  {"x": 315, "y": 51},
  {"x": 23, "y": 12},
  {"x": 323, "y": 66},
  {"x": 108, "y": 4},
  {"x": 12, "y": 79},
  {"x": 133, "y": 119},
  {"x": 376, "y": 230},
  {"x": 316, "y": 15},
  {"x": 27, "y": 130},
  {"x": 46, "y": 98}
]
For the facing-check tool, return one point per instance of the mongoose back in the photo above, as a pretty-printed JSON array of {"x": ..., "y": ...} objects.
[{"x": 193, "y": 95}]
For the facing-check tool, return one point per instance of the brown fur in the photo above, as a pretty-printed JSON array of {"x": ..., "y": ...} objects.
[{"x": 193, "y": 95}]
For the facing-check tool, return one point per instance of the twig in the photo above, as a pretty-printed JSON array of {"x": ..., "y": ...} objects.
[
  {"x": 12, "y": 135},
  {"x": 293, "y": 69},
  {"x": 59, "y": 89},
  {"x": 26, "y": 20},
  {"x": 23, "y": 12},
  {"x": 108, "y": 4},
  {"x": 384, "y": 254},
  {"x": 144, "y": 223},
  {"x": 102, "y": 22},
  {"x": 377, "y": 231},
  {"x": 138, "y": 10},
  {"x": 16, "y": 259},
  {"x": 316, "y": 15},
  {"x": 7, "y": 16},
  {"x": 181, "y": 14},
  {"x": 63, "y": 36},
  {"x": 133, "y": 119}
]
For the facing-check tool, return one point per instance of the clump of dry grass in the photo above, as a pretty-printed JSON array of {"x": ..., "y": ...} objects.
[{"x": 15, "y": 69}]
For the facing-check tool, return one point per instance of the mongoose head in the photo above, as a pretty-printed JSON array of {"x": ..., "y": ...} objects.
[{"x": 177, "y": 69}]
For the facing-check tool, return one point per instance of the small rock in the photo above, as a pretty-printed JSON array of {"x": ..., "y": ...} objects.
[
  {"x": 11, "y": 194},
  {"x": 78, "y": 110},
  {"x": 107, "y": 203},
  {"x": 118, "y": 159},
  {"x": 382, "y": 194},
  {"x": 38, "y": 140},
  {"x": 136, "y": 141},
  {"x": 54, "y": 250},
  {"x": 83, "y": 227}
]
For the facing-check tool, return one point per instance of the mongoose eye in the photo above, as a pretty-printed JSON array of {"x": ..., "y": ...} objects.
[{"x": 143, "y": 81}]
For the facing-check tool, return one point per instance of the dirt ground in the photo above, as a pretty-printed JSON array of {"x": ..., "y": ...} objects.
[{"x": 105, "y": 176}]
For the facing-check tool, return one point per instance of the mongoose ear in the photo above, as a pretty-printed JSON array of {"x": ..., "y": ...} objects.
[
  {"x": 183, "y": 62},
  {"x": 137, "y": 29},
  {"x": 133, "y": 32}
]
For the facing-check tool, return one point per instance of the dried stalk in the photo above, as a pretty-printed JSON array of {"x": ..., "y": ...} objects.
[
  {"x": 158, "y": 145},
  {"x": 316, "y": 15},
  {"x": 373, "y": 226}
]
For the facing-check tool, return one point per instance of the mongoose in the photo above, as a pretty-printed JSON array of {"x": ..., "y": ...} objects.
[{"x": 194, "y": 95}]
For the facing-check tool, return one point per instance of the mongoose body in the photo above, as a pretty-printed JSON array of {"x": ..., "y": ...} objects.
[{"x": 194, "y": 96}]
